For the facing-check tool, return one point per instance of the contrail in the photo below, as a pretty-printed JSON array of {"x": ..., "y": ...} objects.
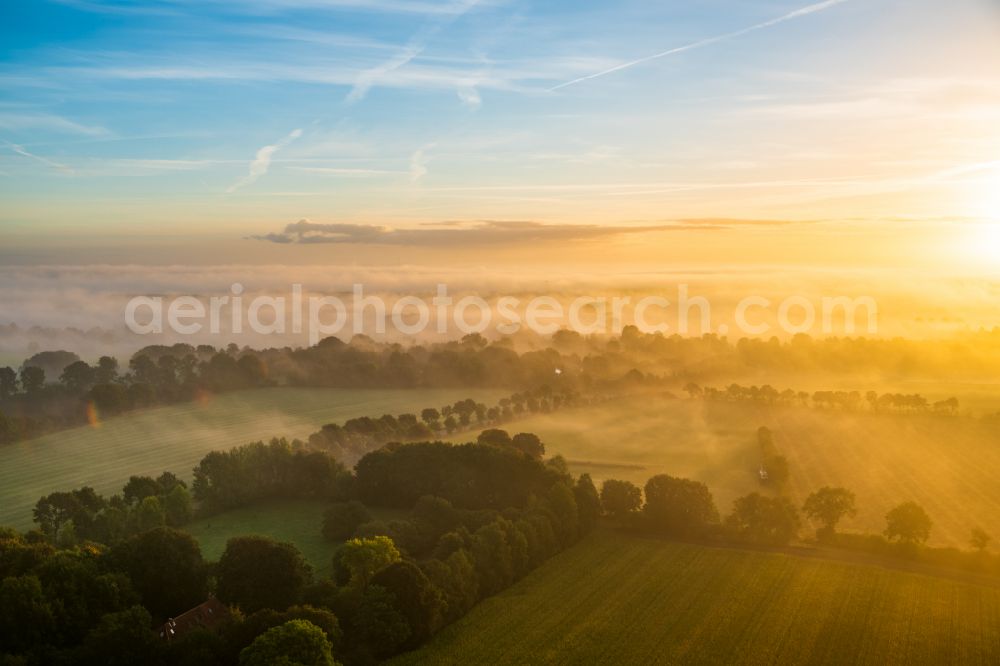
[
  {"x": 804, "y": 11},
  {"x": 418, "y": 43},
  {"x": 44, "y": 160}
]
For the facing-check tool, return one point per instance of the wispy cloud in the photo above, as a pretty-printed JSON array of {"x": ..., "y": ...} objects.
[
  {"x": 262, "y": 162},
  {"x": 489, "y": 232},
  {"x": 414, "y": 48},
  {"x": 803, "y": 11},
  {"x": 370, "y": 77},
  {"x": 62, "y": 168},
  {"x": 418, "y": 165},
  {"x": 452, "y": 75},
  {"x": 963, "y": 169},
  {"x": 49, "y": 122},
  {"x": 485, "y": 232},
  {"x": 470, "y": 98}
]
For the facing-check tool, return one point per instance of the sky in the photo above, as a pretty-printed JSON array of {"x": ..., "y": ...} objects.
[{"x": 848, "y": 133}]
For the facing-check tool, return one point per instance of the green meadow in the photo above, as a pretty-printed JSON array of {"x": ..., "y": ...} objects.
[
  {"x": 295, "y": 521},
  {"x": 176, "y": 437}
]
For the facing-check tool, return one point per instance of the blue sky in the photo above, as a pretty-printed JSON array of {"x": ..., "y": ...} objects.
[{"x": 229, "y": 118}]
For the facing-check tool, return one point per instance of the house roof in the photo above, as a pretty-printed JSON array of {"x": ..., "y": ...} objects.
[{"x": 207, "y": 615}]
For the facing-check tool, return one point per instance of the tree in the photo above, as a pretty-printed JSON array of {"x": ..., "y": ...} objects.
[
  {"x": 693, "y": 390},
  {"x": 139, "y": 488},
  {"x": 51, "y": 363},
  {"x": 106, "y": 371},
  {"x": 77, "y": 377},
  {"x": 256, "y": 572},
  {"x": 363, "y": 558},
  {"x": 226, "y": 479},
  {"x": 26, "y": 615},
  {"x": 168, "y": 481},
  {"x": 148, "y": 514},
  {"x": 294, "y": 643},
  {"x": 143, "y": 370},
  {"x": 456, "y": 578},
  {"x": 620, "y": 498},
  {"x": 433, "y": 517},
  {"x": 56, "y": 511},
  {"x": 32, "y": 379},
  {"x": 253, "y": 368},
  {"x": 109, "y": 399},
  {"x": 494, "y": 437},
  {"x": 431, "y": 417},
  {"x": 200, "y": 647},
  {"x": 376, "y": 625},
  {"x": 123, "y": 638},
  {"x": 7, "y": 432},
  {"x": 828, "y": 506},
  {"x": 588, "y": 503},
  {"x": 908, "y": 523},
  {"x": 343, "y": 518},
  {"x": 529, "y": 443},
  {"x": 416, "y": 598},
  {"x": 242, "y": 634},
  {"x": 678, "y": 506},
  {"x": 166, "y": 569},
  {"x": 177, "y": 506},
  {"x": 491, "y": 556},
  {"x": 469, "y": 476},
  {"x": 777, "y": 471},
  {"x": 8, "y": 382},
  {"x": 562, "y": 503},
  {"x": 979, "y": 539},
  {"x": 766, "y": 520},
  {"x": 80, "y": 593}
]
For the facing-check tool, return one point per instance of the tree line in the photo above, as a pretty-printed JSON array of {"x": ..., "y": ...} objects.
[
  {"x": 354, "y": 438},
  {"x": 898, "y": 403},
  {"x": 56, "y": 390},
  {"x": 33, "y": 403},
  {"x": 685, "y": 508},
  {"x": 68, "y": 518},
  {"x": 699, "y": 358}
]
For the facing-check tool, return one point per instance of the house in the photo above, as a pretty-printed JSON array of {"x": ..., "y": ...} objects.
[{"x": 207, "y": 615}]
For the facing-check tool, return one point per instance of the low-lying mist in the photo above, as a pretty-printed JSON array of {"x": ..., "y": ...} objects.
[{"x": 82, "y": 308}]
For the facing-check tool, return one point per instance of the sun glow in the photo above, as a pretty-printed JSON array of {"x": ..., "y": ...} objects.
[
  {"x": 991, "y": 239},
  {"x": 981, "y": 245},
  {"x": 991, "y": 204},
  {"x": 980, "y": 242}
]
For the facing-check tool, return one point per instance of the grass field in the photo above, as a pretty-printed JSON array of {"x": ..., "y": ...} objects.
[
  {"x": 175, "y": 438},
  {"x": 616, "y": 599},
  {"x": 949, "y": 466},
  {"x": 296, "y": 521}
]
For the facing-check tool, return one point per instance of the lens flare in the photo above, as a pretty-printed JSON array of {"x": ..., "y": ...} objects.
[{"x": 93, "y": 416}]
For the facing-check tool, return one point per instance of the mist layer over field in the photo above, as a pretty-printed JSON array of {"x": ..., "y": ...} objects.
[
  {"x": 947, "y": 465},
  {"x": 82, "y": 308}
]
